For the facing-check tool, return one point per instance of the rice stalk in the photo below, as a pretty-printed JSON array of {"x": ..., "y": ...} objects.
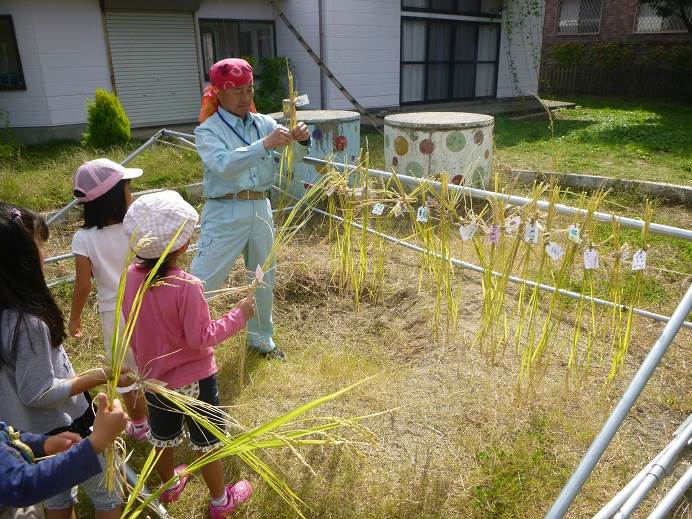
[{"x": 618, "y": 360}]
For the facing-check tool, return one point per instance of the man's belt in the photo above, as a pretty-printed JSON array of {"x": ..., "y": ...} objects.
[{"x": 243, "y": 195}]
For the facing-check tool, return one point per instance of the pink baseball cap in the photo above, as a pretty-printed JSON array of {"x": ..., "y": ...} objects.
[
  {"x": 96, "y": 177},
  {"x": 230, "y": 73}
]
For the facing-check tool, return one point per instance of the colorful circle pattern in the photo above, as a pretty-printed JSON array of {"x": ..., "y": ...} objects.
[
  {"x": 455, "y": 141},
  {"x": 427, "y": 146},
  {"x": 400, "y": 145},
  {"x": 340, "y": 143}
]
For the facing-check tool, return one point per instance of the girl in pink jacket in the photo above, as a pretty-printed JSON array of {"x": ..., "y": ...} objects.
[{"x": 174, "y": 339}]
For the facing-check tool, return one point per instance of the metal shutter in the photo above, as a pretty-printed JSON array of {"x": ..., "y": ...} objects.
[{"x": 155, "y": 66}]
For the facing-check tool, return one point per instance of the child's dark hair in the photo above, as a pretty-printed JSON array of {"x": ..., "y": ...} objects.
[
  {"x": 108, "y": 209},
  {"x": 150, "y": 264},
  {"x": 22, "y": 284}
]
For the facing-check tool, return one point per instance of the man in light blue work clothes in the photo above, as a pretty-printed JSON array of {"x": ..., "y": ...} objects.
[{"x": 235, "y": 146}]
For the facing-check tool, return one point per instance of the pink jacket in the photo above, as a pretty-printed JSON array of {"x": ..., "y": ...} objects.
[{"x": 174, "y": 336}]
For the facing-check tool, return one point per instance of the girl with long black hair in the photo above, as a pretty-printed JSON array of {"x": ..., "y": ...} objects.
[{"x": 40, "y": 392}]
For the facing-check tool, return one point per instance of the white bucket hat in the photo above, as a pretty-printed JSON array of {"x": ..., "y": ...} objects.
[{"x": 155, "y": 218}]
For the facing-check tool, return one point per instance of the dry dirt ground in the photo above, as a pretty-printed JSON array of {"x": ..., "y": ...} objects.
[{"x": 459, "y": 440}]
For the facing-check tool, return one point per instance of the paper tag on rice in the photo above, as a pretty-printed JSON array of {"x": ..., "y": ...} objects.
[
  {"x": 555, "y": 251},
  {"x": 512, "y": 223},
  {"x": 467, "y": 231},
  {"x": 573, "y": 232},
  {"x": 397, "y": 211},
  {"x": 494, "y": 233},
  {"x": 378, "y": 209},
  {"x": 302, "y": 100},
  {"x": 639, "y": 260},
  {"x": 532, "y": 233},
  {"x": 423, "y": 214},
  {"x": 591, "y": 260},
  {"x": 259, "y": 273}
]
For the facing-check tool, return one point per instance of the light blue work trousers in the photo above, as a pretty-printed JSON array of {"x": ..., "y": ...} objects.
[{"x": 229, "y": 228}]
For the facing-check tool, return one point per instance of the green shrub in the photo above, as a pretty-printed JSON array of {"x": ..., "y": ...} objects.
[
  {"x": 272, "y": 89},
  {"x": 107, "y": 123}
]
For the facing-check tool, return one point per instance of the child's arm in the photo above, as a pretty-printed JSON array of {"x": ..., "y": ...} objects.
[
  {"x": 80, "y": 293},
  {"x": 25, "y": 484},
  {"x": 201, "y": 331},
  {"x": 37, "y": 383}
]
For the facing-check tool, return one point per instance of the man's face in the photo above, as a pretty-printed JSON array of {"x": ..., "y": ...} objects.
[{"x": 237, "y": 100}]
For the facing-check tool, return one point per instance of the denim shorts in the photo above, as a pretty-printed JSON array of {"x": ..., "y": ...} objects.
[
  {"x": 166, "y": 420},
  {"x": 95, "y": 490}
]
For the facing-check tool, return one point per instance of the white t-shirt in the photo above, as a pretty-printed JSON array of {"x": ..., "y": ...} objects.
[{"x": 106, "y": 249}]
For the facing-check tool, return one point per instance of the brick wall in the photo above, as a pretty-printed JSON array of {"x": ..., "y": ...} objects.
[{"x": 617, "y": 24}]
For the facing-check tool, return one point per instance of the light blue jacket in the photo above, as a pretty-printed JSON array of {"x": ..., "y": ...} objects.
[{"x": 232, "y": 164}]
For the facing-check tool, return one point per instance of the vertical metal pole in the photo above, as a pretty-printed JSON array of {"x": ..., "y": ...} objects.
[
  {"x": 57, "y": 216},
  {"x": 605, "y": 436}
]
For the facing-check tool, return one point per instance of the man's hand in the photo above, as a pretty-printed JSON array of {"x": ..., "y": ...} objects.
[
  {"x": 300, "y": 133},
  {"x": 276, "y": 139},
  {"x": 108, "y": 424},
  {"x": 60, "y": 442}
]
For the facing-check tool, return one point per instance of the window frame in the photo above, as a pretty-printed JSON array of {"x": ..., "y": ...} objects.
[
  {"x": 478, "y": 13},
  {"x": 20, "y": 70},
  {"x": 557, "y": 21},
  {"x": 231, "y": 20},
  {"x": 451, "y": 62},
  {"x": 636, "y": 22}
]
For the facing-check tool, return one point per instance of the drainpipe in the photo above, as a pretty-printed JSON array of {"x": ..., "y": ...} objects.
[{"x": 320, "y": 21}]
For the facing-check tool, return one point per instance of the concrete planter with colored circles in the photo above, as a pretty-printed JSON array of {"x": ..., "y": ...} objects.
[
  {"x": 425, "y": 144},
  {"x": 334, "y": 134}
]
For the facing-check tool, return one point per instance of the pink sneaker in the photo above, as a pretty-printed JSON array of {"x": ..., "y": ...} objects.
[
  {"x": 237, "y": 494},
  {"x": 137, "y": 433},
  {"x": 173, "y": 493}
]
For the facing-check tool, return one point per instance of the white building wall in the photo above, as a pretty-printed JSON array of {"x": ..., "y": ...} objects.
[
  {"x": 26, "y": 107},
  {"x": 233, "y": 10},
  {"x": 63, "y": 54},
  {"x": 520, "y": 50},
  {"x": 304, "y": 15},
  {"x": 362, "y": 50}
]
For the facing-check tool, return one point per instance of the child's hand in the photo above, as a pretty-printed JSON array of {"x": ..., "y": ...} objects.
[
  {"x": 107, "y": 424},
  {"x": 126, "y": 378},
  {"x": 247, "y": 306},
  {"x": 75, "y": 327},
  {"x": 60, "y": 442}
]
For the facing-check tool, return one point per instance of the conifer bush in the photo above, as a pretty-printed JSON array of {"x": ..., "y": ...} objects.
[{"x": 107, "y": 122}]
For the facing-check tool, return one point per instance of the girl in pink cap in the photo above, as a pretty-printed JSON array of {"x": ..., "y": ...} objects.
[{"x": 100, "y": 248}]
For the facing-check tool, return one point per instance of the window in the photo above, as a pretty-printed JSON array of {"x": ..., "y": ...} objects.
[
  {"x": 11, "y": 75},
  {"x": 648, "y": 21},
  {"x": 579, "y": 17},
  {"x": 489, "y": 8},
  {"x": 444, "y": 60},
  {"x": 234, "y": 39}
]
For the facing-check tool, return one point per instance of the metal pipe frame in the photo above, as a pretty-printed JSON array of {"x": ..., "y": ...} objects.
[
  {"x": 665, "y": 505},
  {"x": 618, "y": 415},
  {"x": 653, "y": 358},
  {"x": 62, "y": 212},
  {"x": 655, "y": 228},
  {"x": 616, "y": 502},
  {"x": 656, "y": 473},
  {"x": 513, "y": 279}
]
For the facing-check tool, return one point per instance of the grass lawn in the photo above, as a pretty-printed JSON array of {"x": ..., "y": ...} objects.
[
  {"x": 645, "y": 140},
  {"x": 649, "y": 140},
  {"x": 461, "y": 443}
]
